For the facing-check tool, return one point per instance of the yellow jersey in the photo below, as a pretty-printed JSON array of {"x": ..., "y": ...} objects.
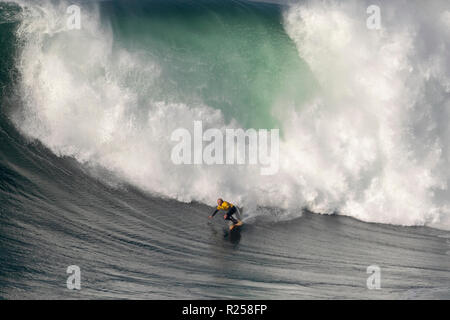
[{"x": 225, "y": 206}]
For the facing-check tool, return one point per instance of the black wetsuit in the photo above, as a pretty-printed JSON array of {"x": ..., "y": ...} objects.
[{"x": 229, "y": 214}]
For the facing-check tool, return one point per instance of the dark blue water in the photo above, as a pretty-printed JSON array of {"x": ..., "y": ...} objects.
[{"x": 131, "y": 245}]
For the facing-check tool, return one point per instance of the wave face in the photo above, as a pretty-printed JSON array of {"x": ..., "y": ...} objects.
[{"x": 364, "y": 114}]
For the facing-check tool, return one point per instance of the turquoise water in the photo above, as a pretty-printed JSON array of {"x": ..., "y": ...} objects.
[{"x": 232, "y": 56}]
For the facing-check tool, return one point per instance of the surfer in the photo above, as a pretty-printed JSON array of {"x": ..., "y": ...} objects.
[{"x": 230, "y": 211}]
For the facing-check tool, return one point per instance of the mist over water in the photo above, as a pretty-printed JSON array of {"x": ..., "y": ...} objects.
[{"x": 363, "y": 113}]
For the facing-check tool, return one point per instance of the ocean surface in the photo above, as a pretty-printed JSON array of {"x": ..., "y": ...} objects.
[{"x": 86, "y": 177}]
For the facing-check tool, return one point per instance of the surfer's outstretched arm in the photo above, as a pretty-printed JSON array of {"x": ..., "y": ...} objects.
[{"x": 214, "y": 213}]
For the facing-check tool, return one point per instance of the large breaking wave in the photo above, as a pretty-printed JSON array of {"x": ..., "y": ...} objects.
[{"x": 364, "y": 113}]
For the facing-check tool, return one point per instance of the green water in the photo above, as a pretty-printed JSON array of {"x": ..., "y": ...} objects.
[{"x": 232, "y": 57}]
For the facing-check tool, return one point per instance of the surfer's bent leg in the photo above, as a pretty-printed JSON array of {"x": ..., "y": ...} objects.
[{"x": 230, "y": 215}]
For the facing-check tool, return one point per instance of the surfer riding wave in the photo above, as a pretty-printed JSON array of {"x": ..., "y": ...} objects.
[{"x": 230, "y": 211}]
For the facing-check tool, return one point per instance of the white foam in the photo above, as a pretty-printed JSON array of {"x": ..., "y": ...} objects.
[{"x": 376, "y": 141}]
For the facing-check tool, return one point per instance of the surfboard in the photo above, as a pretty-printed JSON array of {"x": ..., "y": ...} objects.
[{"x": 236, "y": 226}]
